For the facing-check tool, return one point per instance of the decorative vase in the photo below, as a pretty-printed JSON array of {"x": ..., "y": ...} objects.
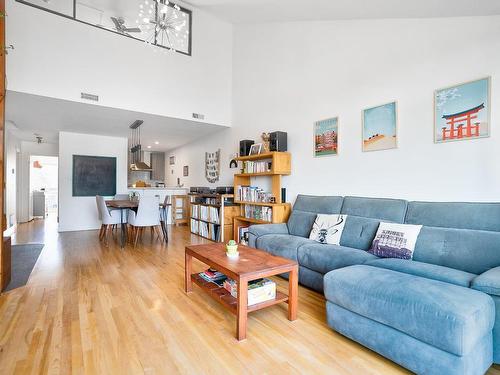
[{"x": 232, "y": 249}]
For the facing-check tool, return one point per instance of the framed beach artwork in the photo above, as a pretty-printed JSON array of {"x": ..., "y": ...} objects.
[
  {"x": 380, "y": 127},
  {"x": 326, "y": 134},
  {"x": 462, "y": 112}
]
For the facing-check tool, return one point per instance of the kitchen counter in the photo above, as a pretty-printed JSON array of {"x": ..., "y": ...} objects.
[{"x": 158, "y": 188}]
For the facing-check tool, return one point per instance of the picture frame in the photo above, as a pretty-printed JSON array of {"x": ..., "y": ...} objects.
[
  {"x": 463, "y": 111},
  {"x": 380, "y": 127},
  {"x": 185, "y": 171},
  {"x": 255, "y": 149},
  {"x": 171, "y": 160},
  {"x": 326, "y": 137}
]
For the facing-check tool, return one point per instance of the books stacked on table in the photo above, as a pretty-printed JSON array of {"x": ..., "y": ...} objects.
[
  {"x": 213, "y": 276},
  {"x": 259, "y": 290}
]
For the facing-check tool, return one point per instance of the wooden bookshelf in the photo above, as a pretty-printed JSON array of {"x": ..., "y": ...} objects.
[
  {"x": 280, "y": 165},
  {"x": 223, "y": 220}
]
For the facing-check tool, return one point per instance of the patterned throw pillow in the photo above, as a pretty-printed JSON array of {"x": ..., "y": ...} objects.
[
  {"x": 395, "y": 240},
  {"x": 327, "y": 229}
]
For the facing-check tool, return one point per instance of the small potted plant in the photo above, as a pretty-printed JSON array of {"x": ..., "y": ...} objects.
[{"x": 232, "y": 249}]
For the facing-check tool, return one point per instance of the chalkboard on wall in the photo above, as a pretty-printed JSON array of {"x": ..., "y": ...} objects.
[{"x": 94, "y": 175}]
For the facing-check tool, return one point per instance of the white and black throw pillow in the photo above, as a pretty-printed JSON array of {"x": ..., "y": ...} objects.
[
  {"x": 395, "y": 240},
  {"x": 327, "y": 229}
]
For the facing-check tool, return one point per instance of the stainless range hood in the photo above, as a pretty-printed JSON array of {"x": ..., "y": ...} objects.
[
  {"x": 140, "y": 166},
  {"x": 136, "y": 155}
]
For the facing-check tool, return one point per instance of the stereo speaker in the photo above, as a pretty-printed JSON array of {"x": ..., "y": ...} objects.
[
  {"x": 245, "y": 147},
  {"x": 278, "y": 141}
]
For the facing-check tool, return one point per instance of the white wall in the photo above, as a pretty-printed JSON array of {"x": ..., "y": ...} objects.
[
  {"x": 12, "y": 146},
  {"x": 286, "y": 76},
  {"x": 24, "y": 202},
  {"x": 80, "y": 213},
  {"x": 61, "y": 58}
]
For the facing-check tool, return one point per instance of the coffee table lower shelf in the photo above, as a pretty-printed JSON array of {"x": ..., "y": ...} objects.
[{"x": 228, "y": 301}]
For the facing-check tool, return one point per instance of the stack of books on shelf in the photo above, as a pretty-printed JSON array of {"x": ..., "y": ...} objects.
[
  {"x": 194, "y": 211},
  {"x": 213, "y": 276},
  {"x": 259, "y": 212},
  {"x": 203, "y": 231},
  {"x": 206, "y": 200},
  {"x": 243, "y": 234},
  {"x": 210, "y": 214},
  {"x": 214, "y": 232},
  {"x": 257, "y": 166},
  {"x": 260, "y": 290},
  {"x": 194, "y": 226},
  {"x": 252, "y": 194}
]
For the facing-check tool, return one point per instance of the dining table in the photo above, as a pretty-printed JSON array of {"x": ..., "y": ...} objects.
[{"x": 126, "y": 204}]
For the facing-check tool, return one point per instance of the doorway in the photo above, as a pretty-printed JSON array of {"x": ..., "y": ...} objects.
[{"x": 43, "y": 187}]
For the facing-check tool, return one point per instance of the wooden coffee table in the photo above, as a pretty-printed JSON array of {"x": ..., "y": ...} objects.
[{"x": 250, "y": 265}]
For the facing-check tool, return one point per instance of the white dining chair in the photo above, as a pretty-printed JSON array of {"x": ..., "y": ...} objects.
[
  {"x": 109, "y": 219},
  {"x": 121, "y": 197},
  {"x": 148, "y": 215}
]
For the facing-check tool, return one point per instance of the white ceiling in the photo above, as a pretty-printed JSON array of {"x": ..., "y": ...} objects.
[
  {"x": 29, "y": 114},
  {"x": 261, "y": 11}
]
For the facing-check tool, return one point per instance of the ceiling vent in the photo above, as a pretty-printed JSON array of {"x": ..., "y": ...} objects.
[{"x": 94, "y": 98}]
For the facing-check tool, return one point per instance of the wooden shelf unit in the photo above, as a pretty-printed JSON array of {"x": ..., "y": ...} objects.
[
  {"x": 227, "y": 300},
  {"x": 280, "y": 166},
  {"x": 225, "y": 212}
]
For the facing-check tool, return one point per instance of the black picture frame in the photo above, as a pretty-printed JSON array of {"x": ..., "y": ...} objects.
[{"x": 94, "y": 175}]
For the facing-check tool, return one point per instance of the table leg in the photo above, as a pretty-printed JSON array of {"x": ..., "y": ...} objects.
[
  {"x": 163, "y": 223},
  {"x": 293, "y": 293},
  {"x": 188, "y": 284},
  {"x": 242, "y": 316},
  {"x": 124, "y": 229}
]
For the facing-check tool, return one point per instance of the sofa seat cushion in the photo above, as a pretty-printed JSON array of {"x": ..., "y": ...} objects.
[
  {"x": 488, "y": 282},
  {"x": 430, "y": 271},
  {"x": 284, "y": 245},
  {"x": 446, "y": 316},
  {"x": 324, "y": 258}
]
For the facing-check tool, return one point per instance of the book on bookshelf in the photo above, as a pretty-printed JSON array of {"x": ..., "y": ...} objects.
[
  {"x": 259, "y": 290},
  {"x": 263, "y": 213},
  {"x": 243, "y": 234},
  {"x": 252, "y": 194},
  {"x": 194, "y": 211},
  {"x": 257, "y": 166},
  {"x": 194, "y": 226}
]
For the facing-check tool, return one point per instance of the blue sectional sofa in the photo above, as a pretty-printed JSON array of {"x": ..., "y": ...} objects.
[{"x": 436, "y": 314}]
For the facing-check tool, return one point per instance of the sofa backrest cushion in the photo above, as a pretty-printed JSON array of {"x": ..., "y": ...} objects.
[
  {"x": 465, "y": 236},
  {"x": 359, "y": 232},
  {"x": 473, "y": 251},
  {"x": 306, "y": 208},
  {"x": 383, "y": 209},
  {"x": 478, "y": 216}
]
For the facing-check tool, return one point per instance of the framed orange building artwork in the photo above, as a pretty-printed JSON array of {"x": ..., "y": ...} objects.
[{"x": 326, "y": 133}]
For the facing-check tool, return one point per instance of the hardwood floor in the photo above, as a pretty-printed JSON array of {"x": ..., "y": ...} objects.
[{"x": 92, "y": 309}]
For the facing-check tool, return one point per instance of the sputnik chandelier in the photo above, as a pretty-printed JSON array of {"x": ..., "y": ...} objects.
[{"x": 164, "y": 24}]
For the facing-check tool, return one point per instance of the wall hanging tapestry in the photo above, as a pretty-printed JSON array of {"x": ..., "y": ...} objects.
[{"x": 212, "y": 166}]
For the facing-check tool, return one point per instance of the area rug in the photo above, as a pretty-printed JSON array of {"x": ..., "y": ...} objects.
[{"x": 24, "y": 258}]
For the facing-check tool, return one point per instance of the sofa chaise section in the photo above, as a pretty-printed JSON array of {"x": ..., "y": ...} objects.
[{"x": 427, "y": 326}]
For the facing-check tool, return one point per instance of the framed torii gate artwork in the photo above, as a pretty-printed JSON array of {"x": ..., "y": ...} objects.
[{"x": 462, "y": 112}]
